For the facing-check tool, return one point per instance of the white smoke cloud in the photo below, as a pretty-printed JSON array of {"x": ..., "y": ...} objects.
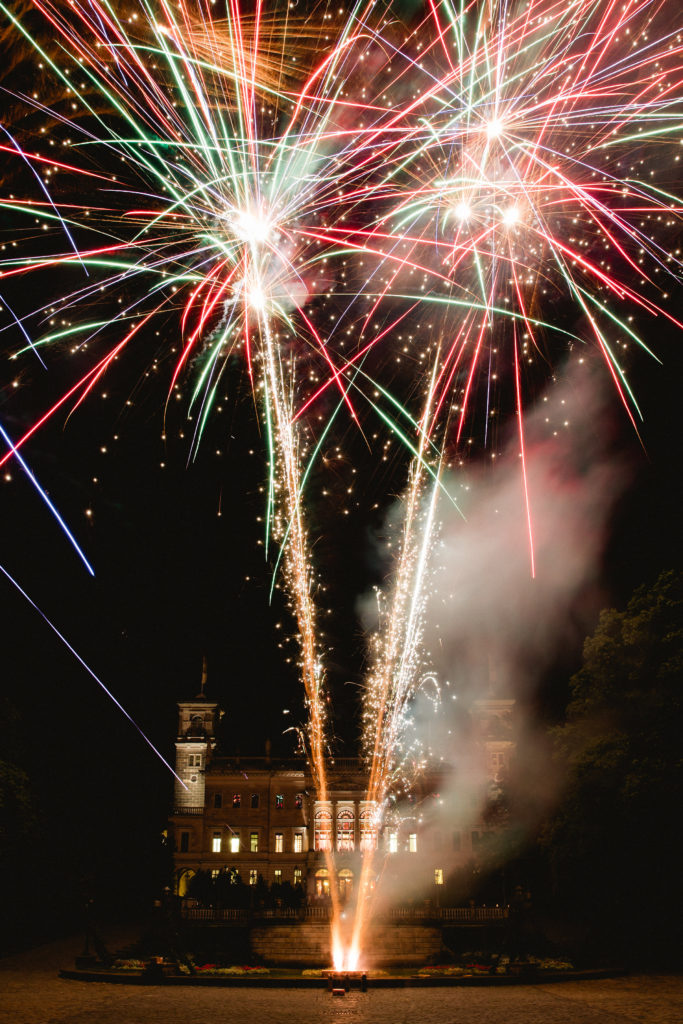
[
  {"x": 487, "y": 615},
  {"x": 491, "y": 627}
]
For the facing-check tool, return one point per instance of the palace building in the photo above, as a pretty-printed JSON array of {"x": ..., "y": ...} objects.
[{"x": 260, "y": 816}]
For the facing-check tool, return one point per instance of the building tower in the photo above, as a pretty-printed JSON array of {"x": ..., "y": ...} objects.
[{"x": 194, "y": 746}]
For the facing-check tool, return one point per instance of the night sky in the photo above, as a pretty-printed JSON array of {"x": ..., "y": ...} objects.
[{"x": 181, "y": 572}]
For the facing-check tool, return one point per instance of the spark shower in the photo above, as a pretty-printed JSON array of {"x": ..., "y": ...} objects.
[{"x": 482, "y": 186}]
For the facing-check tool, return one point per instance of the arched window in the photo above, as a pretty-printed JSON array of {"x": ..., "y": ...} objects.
[
  {"x": 322, "y": 882},
  {"x": 183, "y": 881},
  {"x": 345, "y": 883},
  {"x": 323, "y": 830},
  {"x": 345, "y": 829},
  {"x": 368, "y": 830},
  {"x": 196, "y": 727}
]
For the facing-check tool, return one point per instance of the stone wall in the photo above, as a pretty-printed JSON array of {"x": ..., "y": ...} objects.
[{"x": 308, "y": 943}]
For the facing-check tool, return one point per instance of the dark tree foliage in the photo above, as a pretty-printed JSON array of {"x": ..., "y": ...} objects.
[
  {"x": 228, "y": 890},
  {"x": 614, "y": 844}
]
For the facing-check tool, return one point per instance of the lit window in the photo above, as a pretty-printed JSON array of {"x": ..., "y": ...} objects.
[
  {"x": 279, "y": 801},
  {"x": 298, "y": 875},
  {"x": 279, "y": 842},
  {"x": 215, "y": 872},
  {"x": 345, "y": 879},
  {"x": 253, "y": 876},
  {"x": 236, "y": 799},
  {"x": 277, "y": 876},
  {"x": 298, "y": 842},
  {"x": 217, "y": 799},
  {"x": 254, "y": 801},
  {"x": 216, "y": 843},
  {"x": 323, "y": 829},
  {"x": 412, "y": 842},
  {"x": 368, "y": 830},
  {"x": 345, "y": 830},
  {"x": 393, "y": 842},
  {"x": 234, "y": 844},
  {"x": 299, "y": 801},
  {"x": 184, "y": 842},
  {"x": 253, "y": 842},
  {"x": 438, "y": 876}
]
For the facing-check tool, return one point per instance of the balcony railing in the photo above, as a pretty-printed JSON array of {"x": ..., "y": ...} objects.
[
  {"x": 214, "y": 914},
  {"x": 459, "y": 915},
  {"x": 345, "y": 764},
  {"x": 188, "y": 810},
  {"x": 470, "y": 914}
]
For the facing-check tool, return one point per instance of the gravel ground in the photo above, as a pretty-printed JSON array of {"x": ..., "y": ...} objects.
[{"x": 32, "y": 993}]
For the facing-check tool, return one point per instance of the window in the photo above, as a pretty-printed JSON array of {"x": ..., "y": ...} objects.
[
  {"x": 393, "y": 842},
  {"x": 298, "y": 842},
  {"x": 476, "y": 839},
  {"x": 277, "y": 876},
  {"x": 345, "y": 880},
  {"x": 253, "y": 876},
  {"x": 323, "y": 830},
  {"x": 184, "y": 842},
  {"x": 298, "y": 876},
  {"x": 299, "y": 801},
  {"x": 322, "y": 882},
  {"x": 253, "y": 842},
  {"x": 438, "y": 876},
  {"x": 254, "y": 801},
  {"x": 279, "y": 842},
  {"x": 216, "y": 843},
  {"x": 456, "y": 840},
  {"x": 234, "y": 844},
  {"x": 215, "y": 872},
  {"x": 368, "y": 830},
  {"x": 217, "y": 799},
  {"x": 194, "y": 760},
  {"x": 236, "y": 799},
  {"x": 412, "y": 842},
  {"x": 345, "y": 828},
  {"x": 279, "y": 801}
]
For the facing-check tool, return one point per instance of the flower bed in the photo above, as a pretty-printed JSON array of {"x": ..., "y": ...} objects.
[{"x": 234, "y": 970}]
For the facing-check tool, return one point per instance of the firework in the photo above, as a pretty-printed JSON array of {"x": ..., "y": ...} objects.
[
  {"x": 524, "y": 180},
  {"x": 327, "y": 195}
]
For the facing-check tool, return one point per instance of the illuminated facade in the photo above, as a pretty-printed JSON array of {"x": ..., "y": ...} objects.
[{"x": 260, "y": 816}]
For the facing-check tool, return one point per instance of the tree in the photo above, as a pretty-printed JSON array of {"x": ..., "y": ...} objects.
[{"x": 614, "y": 843}]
